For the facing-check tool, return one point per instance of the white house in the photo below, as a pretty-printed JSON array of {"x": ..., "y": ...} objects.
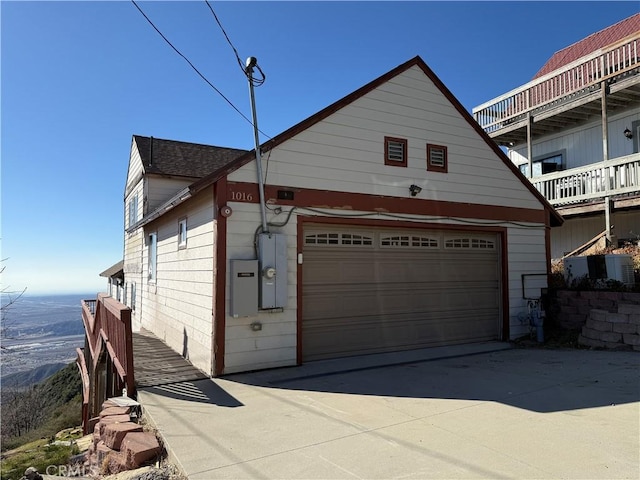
[
  {"x": 391, "y": 221},
  {"x": 574, "y": 129}
]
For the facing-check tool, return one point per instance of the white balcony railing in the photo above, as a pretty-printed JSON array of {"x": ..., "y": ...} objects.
[
  {"x": 574, "y": 79},
  {"x": 598, "y": 180}
]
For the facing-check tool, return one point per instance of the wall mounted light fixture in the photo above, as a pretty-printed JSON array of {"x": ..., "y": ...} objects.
[
  {"x": 415, "y": 190},
  {"x": 628, "y": 134}
]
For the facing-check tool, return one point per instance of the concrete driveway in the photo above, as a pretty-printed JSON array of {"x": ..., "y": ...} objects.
[{"x": 478, "y": 411}]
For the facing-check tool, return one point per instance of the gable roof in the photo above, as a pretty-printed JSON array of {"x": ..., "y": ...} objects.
[
  {"x": 182, "y": 159},
  {"x": 592, "y": 43},
  {"x": 556, "y": 218}
]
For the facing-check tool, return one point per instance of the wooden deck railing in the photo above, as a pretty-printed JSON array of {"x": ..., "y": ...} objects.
[
  {"x": 598, "y": 180},
  {"x": 86, "y": 388},
  {"x": 571, "y": 81},
  {"x": 109, "y": 346}
]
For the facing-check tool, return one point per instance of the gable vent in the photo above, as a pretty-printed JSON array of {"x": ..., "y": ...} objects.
[
  {"x": 395, "y": 151},
  {"x": 436, "y": 157}
]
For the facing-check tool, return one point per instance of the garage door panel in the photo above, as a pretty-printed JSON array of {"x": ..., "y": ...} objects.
[
  {"x": 405, "y": 300},
  {"x": 388, "y": 333},
  {"x": 398, "y": 291}
]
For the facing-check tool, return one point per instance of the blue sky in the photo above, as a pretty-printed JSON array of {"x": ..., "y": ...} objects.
[{"x": 80, "y": 78}]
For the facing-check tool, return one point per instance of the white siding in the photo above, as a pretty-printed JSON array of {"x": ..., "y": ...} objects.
[
  {"x": 134, "y": 172},
  {"x": 275, "y": 344},
  {"x": 575, "y": 232},
  {"x": 583, "y": 145},
  {"x": 344, "y": 152},
  {"x": 133, "y": 251},
  {"x": 526, "y": 247},
  {"x": 178, "y": 306},
  {"x": 160, "y": 189}
]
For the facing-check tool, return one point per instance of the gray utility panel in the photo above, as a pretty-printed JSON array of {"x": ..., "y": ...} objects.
[
  {"x": 244, "y": 288},
  {"x": 272, "y": 250}
]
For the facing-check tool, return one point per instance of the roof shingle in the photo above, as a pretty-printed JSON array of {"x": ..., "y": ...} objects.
[{"x": 181, "y": 159}]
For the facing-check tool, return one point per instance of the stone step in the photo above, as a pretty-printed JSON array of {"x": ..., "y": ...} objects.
[
  {"x": 139, "y": 448},
  {"x": 115, "y": 411},
  {"x": 116, "y": 432}
]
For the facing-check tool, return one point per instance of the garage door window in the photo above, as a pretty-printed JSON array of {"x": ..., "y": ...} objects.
[
  {"x": 343, "y": 239},
  {"x": 473, "y": 243},
  {"x": 409, "y": 241}
]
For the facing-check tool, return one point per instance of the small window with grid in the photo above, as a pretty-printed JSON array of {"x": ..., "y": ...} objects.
[
  {"x": 470, "y": 243},
  {"x": 408, "y": 241}
]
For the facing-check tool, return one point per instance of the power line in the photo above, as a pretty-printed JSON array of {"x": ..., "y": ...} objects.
[
  {"x": 193, "y": 67},
  {"x": 256, "y": 81},
  {"x": 227, "y": 37}
]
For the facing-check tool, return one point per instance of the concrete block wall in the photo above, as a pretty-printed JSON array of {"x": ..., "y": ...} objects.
[
  {"x": 573, "y": 307},
  {"x": 613, "y": 330}
]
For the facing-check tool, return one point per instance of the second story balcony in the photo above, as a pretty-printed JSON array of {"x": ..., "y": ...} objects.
[
  {"x": 583, "y": 189},
  {"x": 567, "y": 96}
]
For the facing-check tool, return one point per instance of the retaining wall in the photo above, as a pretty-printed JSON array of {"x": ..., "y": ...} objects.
[
  {"x": 572, "y": 308},
  {"x": 615, "y": 331}
]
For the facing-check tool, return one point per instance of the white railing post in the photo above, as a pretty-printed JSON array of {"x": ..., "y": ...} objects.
[{"x": 591, "y": 182}]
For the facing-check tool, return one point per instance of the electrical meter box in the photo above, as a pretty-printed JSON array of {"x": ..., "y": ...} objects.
[
  {"x": 272, "y": 250},
  {"x": 244, "y": 288}
]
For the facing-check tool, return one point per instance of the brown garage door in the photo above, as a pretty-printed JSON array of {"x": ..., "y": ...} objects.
[{"x": 369, "y": 290}]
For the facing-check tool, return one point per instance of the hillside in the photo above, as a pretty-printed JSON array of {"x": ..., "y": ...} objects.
[
  {"x": 31, "y": 377},
  {"x": 43, "y": 409}
]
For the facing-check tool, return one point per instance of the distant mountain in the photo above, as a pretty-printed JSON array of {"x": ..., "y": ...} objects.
[{"x": 31, "y": 377}]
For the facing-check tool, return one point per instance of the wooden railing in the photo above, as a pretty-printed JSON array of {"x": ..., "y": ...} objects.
[
  {"x": 598, "y": 180},
  {"x": 86, "y": 388},
  {"x": 109, "y": 342},
  {"x": 571, "y": 81}
]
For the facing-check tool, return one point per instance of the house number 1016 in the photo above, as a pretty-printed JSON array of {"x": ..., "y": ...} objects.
[{"x": 241, "y": 196}]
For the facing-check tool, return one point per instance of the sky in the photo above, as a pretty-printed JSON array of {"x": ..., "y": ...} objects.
[{"x": 78, "y": 79}]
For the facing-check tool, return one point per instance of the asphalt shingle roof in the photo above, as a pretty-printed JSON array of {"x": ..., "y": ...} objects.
[
  {"x": 592, "y": 43},
  {"x": 182, "y": 159}
]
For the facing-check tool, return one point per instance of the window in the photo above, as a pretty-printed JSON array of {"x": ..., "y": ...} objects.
[
  {"x": 352, "y": 239},
  {"x": 124, "y": 296},
  {"x": 133, "y": 210},
  {"x": 182, "y": 233},
  {"x": 395, "y": 151},
  {"x": 473, "y": 243},
  {"x": 153, "y": 253},
  {"x": 437, "y": 158},
  {"x": 547, "y": 164},
  {"x": 411, "y": 241},
  {"x": 133, "y": 296}
]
